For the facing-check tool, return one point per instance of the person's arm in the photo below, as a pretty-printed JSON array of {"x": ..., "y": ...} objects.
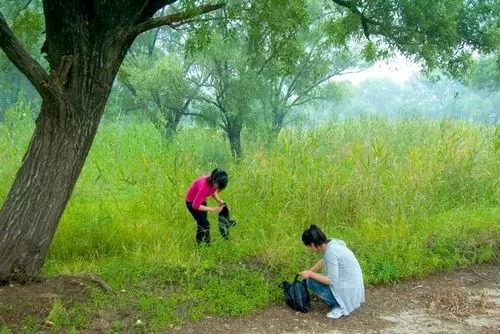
[
  {"x": 313, "y": 273},
  {"x": 318, "y": 266},
  {"x": 318, "y": 277},
  {"x": 210, "y": 208},
  {"x": 332, "y": 265},
  {"x": 201, "y": 199},
  {"x": 218, "y": 199}
]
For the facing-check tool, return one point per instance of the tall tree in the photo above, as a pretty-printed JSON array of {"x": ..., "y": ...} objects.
[
  {"x": 161, "y": 78},
  {"x": 85, "y": 43},
  {"x": 228, "y": 89},
  {"x": 236, "y": 53},
  {"x": 308, "y": 77},
  {"x": 163, "y": 89}
]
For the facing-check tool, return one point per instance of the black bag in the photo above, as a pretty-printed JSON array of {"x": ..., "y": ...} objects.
[
  {"x": 225, "y": 222},
  {"x": 297, "y": 295}
]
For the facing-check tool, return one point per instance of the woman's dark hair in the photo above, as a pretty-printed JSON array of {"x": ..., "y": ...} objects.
[
  {"x": 314, "y": 235},
  {"x": 220, "y": 177}
]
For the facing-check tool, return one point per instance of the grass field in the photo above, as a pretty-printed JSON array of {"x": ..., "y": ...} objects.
[{"x": 409, "y": 197}]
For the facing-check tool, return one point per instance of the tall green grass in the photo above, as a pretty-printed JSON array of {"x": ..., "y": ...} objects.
[{"x": 409, "y": 197}]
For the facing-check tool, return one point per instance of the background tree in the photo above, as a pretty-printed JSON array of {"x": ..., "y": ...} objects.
[
  {"x": 307, "y": 78},
  {"x": 247, "y": 57},
  {"x": 228, "y": 89},
  {"x": 162, "y": 79},
  {"x": 27, "y": 24},
  {"x": 233, "y": 56},
  {"x": 420, "y": 96},
  {"x": 485, "y": 74},
  {"x": 374, "y": 97},
  {"x": 447, "y": 98},
  {"x": 163, "y": 88}
]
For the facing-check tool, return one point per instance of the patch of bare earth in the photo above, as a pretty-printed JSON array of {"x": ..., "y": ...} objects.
[
  {"x": 459, "y": 301},
  {"x": 17, "y": 302}
]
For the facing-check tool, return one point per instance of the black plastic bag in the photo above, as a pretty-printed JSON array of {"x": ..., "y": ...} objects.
[
  {"x": 225, "y": 222},
  {"x": 297, "y": 295}
]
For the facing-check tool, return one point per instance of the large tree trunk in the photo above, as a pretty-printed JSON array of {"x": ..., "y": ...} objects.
[
  {"x": 171, "y": 126},
  {"x": 65, "y": 130},
  {"x": 279, "y": 113},
  {"x": 173, "y": 117},
  {"x": 74, "y": 98},
  {"x": 43, "y": 186},
  {"x": 85, "y": 44},
  {"x": 234, "y": 135}
]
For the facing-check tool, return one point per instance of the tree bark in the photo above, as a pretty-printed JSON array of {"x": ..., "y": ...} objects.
[
  {"x": 173, "y": 118},
  {"x": 233, "y": 131},
  {"x": 278, "y": 121},
  {"x": 74, "y": 96},
  {"x": 64, "y": 132},
  {"x": 42, "y": 188}
]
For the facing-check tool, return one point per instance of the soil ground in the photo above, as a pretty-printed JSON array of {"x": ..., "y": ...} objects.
[{"x": 458, "y": 301}]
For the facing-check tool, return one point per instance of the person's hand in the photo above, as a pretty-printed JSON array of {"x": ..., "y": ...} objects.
[
  {"x": 218, "y": 208},
  {"x": 221, "y": 202},
  {"x": 306, "y": 274}
]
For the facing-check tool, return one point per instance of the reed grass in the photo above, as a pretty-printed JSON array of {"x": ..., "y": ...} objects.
[{"x": 408, "y": 196}]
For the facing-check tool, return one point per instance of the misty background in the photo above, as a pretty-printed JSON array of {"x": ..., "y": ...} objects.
[
  {"x": 378, "y": 91},
  {"x": 182, "y": 77}
]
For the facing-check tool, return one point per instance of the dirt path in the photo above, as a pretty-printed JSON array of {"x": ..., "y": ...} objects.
[{"x": 459, "y": 301}]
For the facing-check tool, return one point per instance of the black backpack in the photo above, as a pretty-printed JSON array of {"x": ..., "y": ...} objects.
[{"x": 297, "y": 295}]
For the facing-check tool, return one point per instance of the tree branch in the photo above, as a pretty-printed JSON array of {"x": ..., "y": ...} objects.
[
  {"x": 156, "y": 97},
  {"x": 186, "y": 104},
  {"x": 364, "y": 20},
  {"x": 130, "y": 87},
  {"x": 212, "y": 102},
  {"x": 298, "y": 102},
  {"x": 21, "y": 58},
  {"x": 196, "y": 115},
  {"x": 175, "y": 19},
  {"x": 151, "y": 47},
  {"x": 26, "y": 5}
]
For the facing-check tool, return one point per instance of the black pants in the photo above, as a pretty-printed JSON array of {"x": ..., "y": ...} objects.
[{"x": 203, "y": 231}]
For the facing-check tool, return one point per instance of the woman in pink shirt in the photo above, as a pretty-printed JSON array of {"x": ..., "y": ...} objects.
[{"x": 196, "y": 201}]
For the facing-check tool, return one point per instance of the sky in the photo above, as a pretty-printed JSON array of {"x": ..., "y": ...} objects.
[{"x": 398, "y": 70}]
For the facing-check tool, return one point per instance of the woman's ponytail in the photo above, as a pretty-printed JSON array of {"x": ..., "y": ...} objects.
[
  {"x": 313, "y": 234},
  {"x": 220, "y": 177}
]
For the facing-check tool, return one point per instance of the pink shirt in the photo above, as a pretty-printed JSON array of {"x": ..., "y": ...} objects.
[{"x": 199, "y": 191}]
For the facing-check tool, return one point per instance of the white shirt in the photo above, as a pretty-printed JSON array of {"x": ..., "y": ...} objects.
[{"x": 343, "y": 270}]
